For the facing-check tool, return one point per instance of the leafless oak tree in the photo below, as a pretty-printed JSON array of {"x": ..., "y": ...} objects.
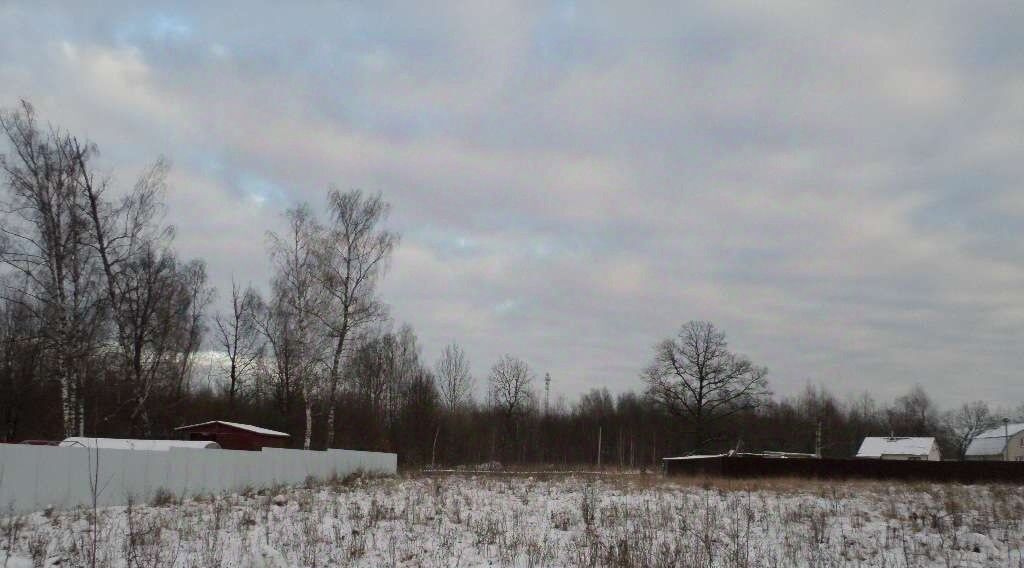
[
  {"x": 511, "y": 393},
  {"x": 511, "y": 381},
  {"x": 694, "y": 376},
  {"x": 966, "y": 422}
]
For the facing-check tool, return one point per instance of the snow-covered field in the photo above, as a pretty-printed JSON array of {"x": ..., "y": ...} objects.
[{"x": 564, "y": 520}]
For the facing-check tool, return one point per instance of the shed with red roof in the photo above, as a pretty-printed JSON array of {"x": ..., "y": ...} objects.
[{"x": 234, "y": 436}]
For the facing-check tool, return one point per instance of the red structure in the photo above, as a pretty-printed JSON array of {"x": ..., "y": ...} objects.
[{"x": 234, "y": 436}]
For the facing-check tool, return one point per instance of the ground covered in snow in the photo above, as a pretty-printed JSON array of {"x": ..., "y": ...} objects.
[{"x": 560, "y": 520}]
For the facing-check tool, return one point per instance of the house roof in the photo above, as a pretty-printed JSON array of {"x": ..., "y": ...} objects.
[
  {"x": 1001, "y": 432},
  {"x": 130, "y": 444},
  {"x": 695, "y": 457},
  {"x": 993, "y": 442},
  {"x": 236, "y": 425},
  {"x": 876, "y": 447}
]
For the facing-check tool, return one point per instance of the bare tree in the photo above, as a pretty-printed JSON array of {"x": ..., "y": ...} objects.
[
  {"x": 407, "y": 353},
  {"x": 158, "y": 330},
  {"x": 454, "y": 380},
  {"x": 353, "y": 253},
  {"x": 370, "y": 370},
  {"x": 88, "y": 262},
  {"x": 695, "y": 376},
  {"x": 154, "y": 301},
  {"x": 276, "y": 363},
  {"x": 913, "y": 414},
  {"x": 238, "y": 335},
  {"x": 195, "y": 297},
  {"x": 405, "y": 366},
  {"x": 21, "y": 352},
  {"x": 511, "y": 393},
  {"x": 298, "y": 299},
  {"x": 510, "y": 384},
  {"x": 967, "y": 422},
  {"x": 42, "y": 238}
]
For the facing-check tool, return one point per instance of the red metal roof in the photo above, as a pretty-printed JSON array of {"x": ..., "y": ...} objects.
[{"x": 236, "y": 425}]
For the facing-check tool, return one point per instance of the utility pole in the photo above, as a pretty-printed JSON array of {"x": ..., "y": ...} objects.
[
  {"x": 621, "y": 447},
  {"x": 547, "y": 391},
  {"x": 546, "y": 416},
  {"x": 1006, "y": 435},
  {"x": 817, "y": 441}
]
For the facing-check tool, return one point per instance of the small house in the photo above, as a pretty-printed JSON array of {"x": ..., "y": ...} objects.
[
  {"x": 234, "y": 436},
  {"x": 900, "y": 448},
  {"x": 1004, "y": 442}
]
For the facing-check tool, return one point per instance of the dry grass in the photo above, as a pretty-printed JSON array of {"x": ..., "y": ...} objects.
[{"x": 544, "y": 520}]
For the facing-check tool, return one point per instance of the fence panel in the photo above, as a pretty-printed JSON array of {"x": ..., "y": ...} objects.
[
  {"x": 34, "y": 477},
  {"x": 755, "y": 466}
]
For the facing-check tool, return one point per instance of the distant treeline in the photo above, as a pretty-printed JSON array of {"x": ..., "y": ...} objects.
[{"x": 103, "y": 328}]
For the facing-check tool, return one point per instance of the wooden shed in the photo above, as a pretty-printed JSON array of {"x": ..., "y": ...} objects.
[{"x": 234, "y": 436}]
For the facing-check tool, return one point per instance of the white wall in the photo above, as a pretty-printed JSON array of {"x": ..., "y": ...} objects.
[
  {"x": 33, "y": 477},
  {"x": 1017, "y": 447}
]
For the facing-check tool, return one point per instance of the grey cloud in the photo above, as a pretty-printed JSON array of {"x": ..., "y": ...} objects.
[{"x": 836, "y": 186}]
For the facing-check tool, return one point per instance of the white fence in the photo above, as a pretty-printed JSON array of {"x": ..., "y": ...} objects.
[{"x": 34, "y": 477}]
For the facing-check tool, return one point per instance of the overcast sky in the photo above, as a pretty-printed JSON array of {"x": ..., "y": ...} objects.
[{"x": 837, "y": 186}]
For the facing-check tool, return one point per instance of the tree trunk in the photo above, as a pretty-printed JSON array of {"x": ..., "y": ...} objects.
[
  {"x": 140, "y": 417},
  {"x": 698, "y": 430},
  {"x": 67, "y": 397},
  {"x": 433, "y": 449},
  {"x": 68, "y": 406},
  {"x": 330, "y": 425},
  {"x": 81, "y": 415},
  {"x": 309, "y": 426},
  {"x": 334, "y": 378},
  {"x": 231, "y": 386}
]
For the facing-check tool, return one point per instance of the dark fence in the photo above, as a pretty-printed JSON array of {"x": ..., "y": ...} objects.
[{"x": 756, "y": 466}]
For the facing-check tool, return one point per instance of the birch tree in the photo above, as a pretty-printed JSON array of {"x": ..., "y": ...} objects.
[
  {"x": 42, "y": 238},
  {"x": 298, "y": 299},
  {"x": 354, "y": 250}
]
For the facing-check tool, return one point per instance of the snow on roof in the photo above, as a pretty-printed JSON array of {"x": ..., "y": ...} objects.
[
  {"x": 246, "y": 427},
  {"x": 993, "y": 442},
  {"x": 1001, "y": 432},
  {"x": 986, "y": 447},
  {"x": 129, "y": 444},
  {"x": 876, "y": 447}
]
